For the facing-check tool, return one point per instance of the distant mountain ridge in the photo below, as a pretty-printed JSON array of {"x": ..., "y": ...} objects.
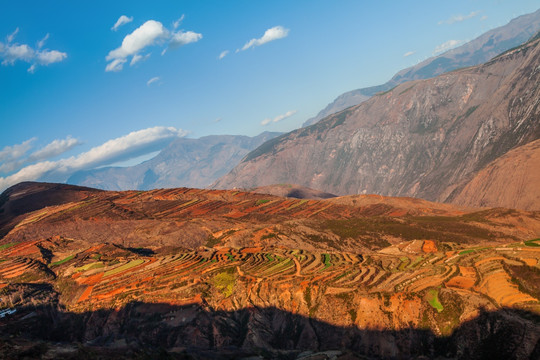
[
  {"x": 184, "y": 162},
  {"x": 424, "y": 138},
  {"x": 475, "y": 52}
]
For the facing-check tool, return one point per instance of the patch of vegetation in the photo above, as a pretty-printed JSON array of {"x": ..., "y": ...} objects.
[
  {"x": 448, "y": 320},
  {"x": 261, "y": 201},
  {"x": 533, "y": 243},
  {"x": 211, "y": 241},
  {"x": 56, "y": 263},
  {"x": 95, "y": 265},
  {"x": 96, "y": 256},
  {"x": 469, "y": 251},
  {"x": 416, "y": 262},
  {"x": 307, "y": 296},
  {"x": 225, "y": 281},
  {"x": 7, "y": 246},
  {"x": 230, "y": 257},
  {"x": 124, "y": 267},
  {"x": 268, "y": 236},
  {"x": 433, "y": 299},
  {"x": 526, "y": 277},
  {"x": 353, "y": 314},
  {"x": 269, "y": 257},
  {"x": 470, "y": 111},
  {"x": 321, "y": 239},
  {"x": 326, "y": 261}
]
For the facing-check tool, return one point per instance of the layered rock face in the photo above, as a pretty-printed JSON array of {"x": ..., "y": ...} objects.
[{"x": 423, "y": 139}]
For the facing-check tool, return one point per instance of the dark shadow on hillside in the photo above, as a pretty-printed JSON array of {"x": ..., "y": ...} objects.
[
  {"x": 159, "y": 330},
  {"x": 30, "y": 196}
]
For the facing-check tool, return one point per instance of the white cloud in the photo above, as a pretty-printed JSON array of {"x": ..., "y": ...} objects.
[
  {"x": 47, "y": 57},
  {"x": 11, "y": 36},
  {"x": 218, "y": 119},
  {"x": 15, "y": 52},
  {"x": 275, "y": 33},
  {"x": 122, "y": 20},
  {"x": 115, "y": 65},
  {"x": 41, "y": 42},
  {"x": 152, "y": 80},
  {"x": 182, "y": 38},
  {"x": 16, "y": 151},
  {"x": 223, "y": 54},
  {"x": 459, "y": 18},
  {"x": 408, "y": 53},
  {"x": 446, "y": 46},
  {"x": 148, "y": 34},
  {"x": 126, "y": 147},
  {"x": 54, "y": 148},
  {"x": 485, "y": 17},
  {"x": 278, "y": 118},
  {"x": 137, "y": 58},
  {"x": 13, "y": 157},
  {"x": 11, "y": 53},
  {"x": 177, "y": 23}
]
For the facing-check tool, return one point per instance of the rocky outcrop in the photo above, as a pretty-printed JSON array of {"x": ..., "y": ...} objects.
[
  {"x": 423, "y": 139},
  {"x": 472, "y": 53}
]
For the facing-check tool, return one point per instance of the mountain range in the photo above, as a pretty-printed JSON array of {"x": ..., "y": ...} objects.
[
  {"x": 474, "y": 52},
  {"x": 423, "y": 138},
  {"x": 184, "y": 162}
]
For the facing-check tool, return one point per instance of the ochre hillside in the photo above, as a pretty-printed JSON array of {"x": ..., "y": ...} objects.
[{"x": 227, "y": 274}]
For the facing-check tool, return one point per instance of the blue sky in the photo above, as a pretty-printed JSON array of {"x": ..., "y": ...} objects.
[{"x": 281, "y": 62}]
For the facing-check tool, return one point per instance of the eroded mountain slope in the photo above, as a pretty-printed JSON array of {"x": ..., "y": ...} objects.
[{"x": 423, "y": 139}]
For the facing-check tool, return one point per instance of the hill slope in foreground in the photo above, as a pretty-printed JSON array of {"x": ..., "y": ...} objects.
[{"x": 225, "y": 274}]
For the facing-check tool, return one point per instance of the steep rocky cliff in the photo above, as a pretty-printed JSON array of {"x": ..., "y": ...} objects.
[{"x": 423, "y": 138}]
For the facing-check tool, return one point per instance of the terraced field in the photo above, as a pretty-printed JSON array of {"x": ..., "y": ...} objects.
[
  {"x": 111, "y": 276},
  {"x": 180, "y": 257}
]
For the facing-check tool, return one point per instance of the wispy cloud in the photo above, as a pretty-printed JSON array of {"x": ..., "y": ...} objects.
[
  {"x": 408, "y": 53},
  {"x": 126, "y": 147},
  {"x": 54, "y": 148},
  {"x": 14, "y": 157},
  {"x": 151, "y": 33},
  {"x": 218, "y": 119},
  {"x": 41, "y": 42},
  {"x": 450, "y": 44},
  {"x": 11, "y": 36},
  {"x": 182, "y": 38},
  {"x": 177, "y": 23},
  {"x": 12, "y": 52},
  {"x": 223, "y": 54},
  {"x": 152, "y": 80},
  {"x": 14, "y": 152},
  {"x": 278, "y": 118},
  {"x": 275, "y": 33},
  {"x": 122, "y": 20},
  {"x": 459, "y": 18},
  {"x": 485, "y": 17}
]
